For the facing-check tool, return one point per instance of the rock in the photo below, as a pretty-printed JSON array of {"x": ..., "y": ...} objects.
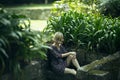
[
  {"x": 98, "y": 75},
  {"x": 119, "y": 74},
  {"x": 92, "y": 75},
  {"x": 38, "y": 70},
  {"x": 99, "y": 63},
  {"x": 33, "y": 71},
  {"x": 102, "y": 69}
]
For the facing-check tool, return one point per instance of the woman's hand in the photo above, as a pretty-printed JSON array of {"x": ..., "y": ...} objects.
[{"x": 74, "y": 54}]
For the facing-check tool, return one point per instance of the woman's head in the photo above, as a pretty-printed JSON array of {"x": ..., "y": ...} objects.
[{"x": 58, "y": 38}]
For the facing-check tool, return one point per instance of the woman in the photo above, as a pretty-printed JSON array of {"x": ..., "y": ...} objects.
[{"x": 60, "y": 59}]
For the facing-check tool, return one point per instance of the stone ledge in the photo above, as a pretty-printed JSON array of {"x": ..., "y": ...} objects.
[
  {"x": 98, "y": 75},
  {"x": 98, "y": 63},
  {"x": 93, "y": 70},
  {"x": 98, "y": 72},
  {"x": 93, "y": 75}
]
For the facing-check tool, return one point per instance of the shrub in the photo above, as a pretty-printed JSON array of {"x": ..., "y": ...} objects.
[
  {"x": 18, "y": 44},
  {"x": 110, "y": 8}
]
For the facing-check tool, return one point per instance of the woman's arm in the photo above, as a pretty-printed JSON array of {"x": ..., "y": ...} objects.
[
  {"x": 68, "y": 53},
  {"x": 65, "y": 54}
]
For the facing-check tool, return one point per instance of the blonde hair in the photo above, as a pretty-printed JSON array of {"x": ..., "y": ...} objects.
[{"x": 58, "y": 36}]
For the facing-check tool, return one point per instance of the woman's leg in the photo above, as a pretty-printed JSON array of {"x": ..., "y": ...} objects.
[
  {"x": 75, "y": 62},
  {"x": 73, "y": 59},
  {"x": 69, "y": 59},
  {"x": 70, "y": 71}
]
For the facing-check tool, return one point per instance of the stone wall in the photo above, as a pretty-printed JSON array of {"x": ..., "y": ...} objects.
[{"x": 34, "y": 14}]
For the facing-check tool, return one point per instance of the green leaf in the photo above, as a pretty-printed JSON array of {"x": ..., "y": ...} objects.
[
  {"x": 4, "y": 52},
  {"x": 2, "y": 42},
  {"x": 14, "y": 35}
]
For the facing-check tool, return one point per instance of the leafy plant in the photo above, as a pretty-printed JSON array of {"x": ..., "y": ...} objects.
[
  {"x": 18, "y": 44},
  {"x": 90, "y": 31}
]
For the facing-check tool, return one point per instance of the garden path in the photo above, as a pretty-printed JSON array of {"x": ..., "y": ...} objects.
[{"x": 38, "y": 25}]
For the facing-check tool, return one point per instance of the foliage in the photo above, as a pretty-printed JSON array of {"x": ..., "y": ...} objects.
[
  {"x": 106, "y": 7},
  {"x": 18, "y": 44},
  {"x": 93, "y": 32},
  {"x": 110, "y": 7},
  {"x": 90, "y": 2},
  {"x": 74, "y": 5}
]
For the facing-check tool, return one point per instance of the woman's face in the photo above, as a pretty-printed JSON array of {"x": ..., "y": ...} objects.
[{"x": 60, "y": 40}]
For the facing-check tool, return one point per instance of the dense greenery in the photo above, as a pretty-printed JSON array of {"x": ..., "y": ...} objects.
[
  {"x": 84, "y": 26},
  {"x": 110, "y": 7},
  {"x": 106, "y": 7},
  {"x": 18, "y": 44},
  {"x": 94, "y": 32}
]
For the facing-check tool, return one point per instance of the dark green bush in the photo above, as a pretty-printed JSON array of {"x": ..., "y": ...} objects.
[
  {"x": 90, "y": 31},
  {"x": 18, "y": 44},
  {"x": 110, "y": 8}
]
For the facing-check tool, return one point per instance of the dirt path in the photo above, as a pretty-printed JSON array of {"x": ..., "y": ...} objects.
[{"x": 38, "y": 25}]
